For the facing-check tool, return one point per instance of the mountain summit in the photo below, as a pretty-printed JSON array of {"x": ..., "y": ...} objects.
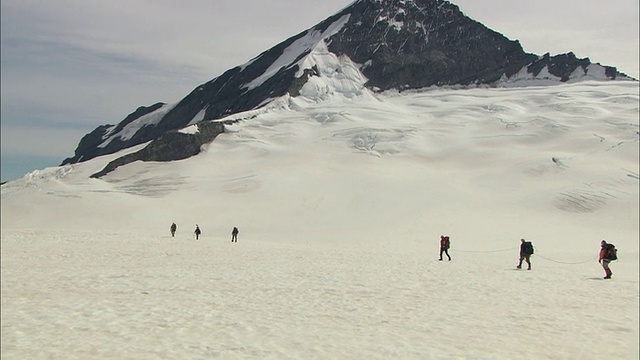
[{"x": 393, "y": 44}]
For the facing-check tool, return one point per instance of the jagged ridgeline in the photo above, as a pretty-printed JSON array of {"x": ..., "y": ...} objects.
[{"x": 396, "y": 44}]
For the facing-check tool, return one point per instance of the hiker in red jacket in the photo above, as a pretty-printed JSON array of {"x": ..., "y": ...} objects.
[
  {"x": 607, "y": 254},
  {"x": 444, "y": 246}
]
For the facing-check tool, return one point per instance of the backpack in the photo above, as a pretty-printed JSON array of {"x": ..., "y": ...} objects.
[
  {"x": 612, "y": 252},
  {"x": 528, "y": 248}
]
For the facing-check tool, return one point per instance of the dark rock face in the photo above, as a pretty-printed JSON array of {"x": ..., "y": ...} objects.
[
  {"x": 562, "y": 65},
  {"x": 421, "y": 43},
  {"x": 222, "y": 96},
  {"x": 399, "y": 45},
  {"x": 171, "y": 146},
  {"x": 89, "y": 146}
]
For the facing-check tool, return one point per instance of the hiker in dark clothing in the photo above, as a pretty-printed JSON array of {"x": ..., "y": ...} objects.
[
  {"x": 444, "y": 246},
  {"x": 607, "y": 254},
  {"x": 526, "y": 250},
  {"x": 197, "y": 232},
  {"x": 173, "y": 229},
  {"x": 234, "y": 234}
]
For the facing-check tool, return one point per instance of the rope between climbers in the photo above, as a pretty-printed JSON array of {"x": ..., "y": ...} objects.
[
  {"x": 568, "y": 263},
  {"x": 486, "y": 251},
  {"x": 537, "y": 254}
]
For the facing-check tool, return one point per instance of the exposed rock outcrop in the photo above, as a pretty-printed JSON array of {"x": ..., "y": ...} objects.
[{"x": 171, "y": 146}]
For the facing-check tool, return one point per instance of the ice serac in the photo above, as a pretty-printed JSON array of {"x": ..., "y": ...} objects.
[{"x": 396, "y": 44}]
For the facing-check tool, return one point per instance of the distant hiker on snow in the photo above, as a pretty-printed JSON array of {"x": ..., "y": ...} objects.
[
  {"x": 526, "y": 250},
  {"x": 197, "y": 232},
  {"x": 444, "y": 246},
  {"x": 234, "y": 234},
  {"x": 608, "y": 253},
  {"x": 173, "y": 229}
]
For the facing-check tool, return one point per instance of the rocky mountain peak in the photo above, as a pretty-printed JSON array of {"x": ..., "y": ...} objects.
[
  {"x": 413, "y": 44},
  {"x": 395, "y": 44}
]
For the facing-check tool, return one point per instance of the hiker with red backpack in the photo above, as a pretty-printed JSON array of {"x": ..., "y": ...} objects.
[
  {"x": 608, "y": 253},
  {"x": 444, "y": 246}
]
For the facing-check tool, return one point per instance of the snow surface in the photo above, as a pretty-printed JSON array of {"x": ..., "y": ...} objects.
[
  {"x": 339, "y": 77},
  {"x": 340, "y": 198},
  {"x": 199, "y": 116},
  {"x": 191, "y": 129}
]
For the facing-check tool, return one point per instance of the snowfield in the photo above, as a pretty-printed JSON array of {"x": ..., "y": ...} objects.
[{"x": 340, "y": 198}]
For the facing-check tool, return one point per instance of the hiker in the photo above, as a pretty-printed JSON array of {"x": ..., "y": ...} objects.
[
  {"x": 197, "y": 232},
  {"x": 607, "y": 254},
  {"x": 526, "y": 250},
  {"x": 234, "y": 234},
  {"x": 173, "y": 229},
  {"x": 444, "y": 246}
]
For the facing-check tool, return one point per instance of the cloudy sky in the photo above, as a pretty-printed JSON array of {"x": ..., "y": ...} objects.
[{"x": 71, "y": 65}]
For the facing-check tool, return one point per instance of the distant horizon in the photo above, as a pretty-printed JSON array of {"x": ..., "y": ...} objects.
[{"x": 12, "y": 168}]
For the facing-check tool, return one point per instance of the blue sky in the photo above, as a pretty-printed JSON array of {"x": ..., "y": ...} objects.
[{"x": 71, "y": 65}]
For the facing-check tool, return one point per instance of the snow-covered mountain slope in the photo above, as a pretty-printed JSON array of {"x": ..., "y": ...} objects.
[
  {"x": 329, "y": 164},
  {"x": 394, "y": 45},
  {"x": 340, "y": 198}
]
